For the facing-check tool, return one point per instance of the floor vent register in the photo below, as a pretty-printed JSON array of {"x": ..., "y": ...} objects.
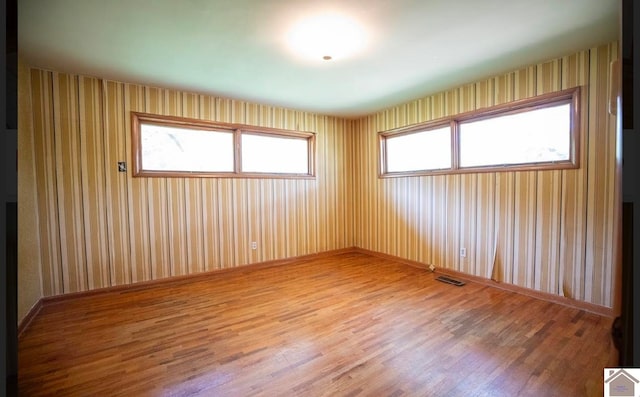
[{"x": 450, "y": 280}]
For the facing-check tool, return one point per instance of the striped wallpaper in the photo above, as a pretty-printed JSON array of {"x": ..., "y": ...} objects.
[
  {"x": 547, "y": 230},
  {"x": 551, "y": 231},
  {"x": 102, "y": 228}
]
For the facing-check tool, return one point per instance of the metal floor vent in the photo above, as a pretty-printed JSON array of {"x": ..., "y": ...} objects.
[{"x": 450, "y": 280}]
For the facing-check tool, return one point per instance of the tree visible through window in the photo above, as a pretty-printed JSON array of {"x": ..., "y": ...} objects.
[
  {"x": 182, "y": 149},
  {"x": 536, "y": 133},
  {"x": 171, "y": 146},
  {"x": 535, "y": 136}
]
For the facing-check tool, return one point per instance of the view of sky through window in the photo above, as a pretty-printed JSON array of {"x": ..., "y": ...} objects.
[
  {"x": 540, "y": 135},
  {"x": 425, "y": 150},
  {"x": 274, "y": 154}
]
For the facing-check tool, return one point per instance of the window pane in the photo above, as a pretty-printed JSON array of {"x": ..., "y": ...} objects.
[
  {"x": 273, "y": 154},
  {"x": 425, "y": 150},
  {"x": 184, "y": 149},
  {"x": 541, "y": 135}
]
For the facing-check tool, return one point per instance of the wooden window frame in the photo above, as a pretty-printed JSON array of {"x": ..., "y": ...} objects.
[
  {"x": 418, "y": 128},
  {"x": 570, "y": 96},
  {"x": 138, "y": 118}
]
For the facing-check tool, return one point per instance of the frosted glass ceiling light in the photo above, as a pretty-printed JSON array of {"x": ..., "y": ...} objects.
[{"x": 328, "y": 36}]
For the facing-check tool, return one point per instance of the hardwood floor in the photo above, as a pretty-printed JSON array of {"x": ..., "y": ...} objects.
[{"x": 342, "y": 326}]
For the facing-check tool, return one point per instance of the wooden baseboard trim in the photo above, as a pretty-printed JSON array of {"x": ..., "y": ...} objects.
[
  {"x": 391, "y": 258},
  {"x": 50, "y": 300},
  {"x": 31, "y": 314},
  {"x": 576, "y": 304},
  {"x": 563, "y": 300}
]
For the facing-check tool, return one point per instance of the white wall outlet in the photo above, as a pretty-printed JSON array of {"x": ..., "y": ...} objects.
[
  {"x": 254, "y": 245},
  {"x": 432, "y": 268},
  {"x": 463, "y": 252}
]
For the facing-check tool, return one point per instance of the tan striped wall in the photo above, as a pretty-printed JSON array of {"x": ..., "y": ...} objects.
[
  {"x": 551, "y": 231},
  {"x": 101, "y": 228},
  {"x": 548, "y": 230}
]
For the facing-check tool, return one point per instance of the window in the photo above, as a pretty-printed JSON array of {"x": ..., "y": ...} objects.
[
  {"x": 258, "y": 154},
  {"x": 536, "y": 133},
  {"x": 171, "y": 146},
  {"x": 535, "y": 136},
  {"x": 422, "y": 150},
  {"x": 184, "y": 149}
]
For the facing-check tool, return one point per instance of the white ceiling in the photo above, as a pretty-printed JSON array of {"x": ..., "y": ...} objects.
[{"x": 236, "y": 48}]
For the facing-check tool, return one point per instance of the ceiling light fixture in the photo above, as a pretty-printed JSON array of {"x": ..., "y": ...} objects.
[{"x": 315, "y": 37}]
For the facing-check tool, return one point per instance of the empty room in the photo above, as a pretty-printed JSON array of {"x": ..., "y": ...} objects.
[{"x": 277, "y": 198}]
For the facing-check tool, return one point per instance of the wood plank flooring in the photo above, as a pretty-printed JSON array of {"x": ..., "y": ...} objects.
[{"x": 347, "y": 325}]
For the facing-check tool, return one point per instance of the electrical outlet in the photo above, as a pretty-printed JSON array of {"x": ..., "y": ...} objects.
[
  {"x": 254, "y": 245},
  {"x": 463, "y": 252}
]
